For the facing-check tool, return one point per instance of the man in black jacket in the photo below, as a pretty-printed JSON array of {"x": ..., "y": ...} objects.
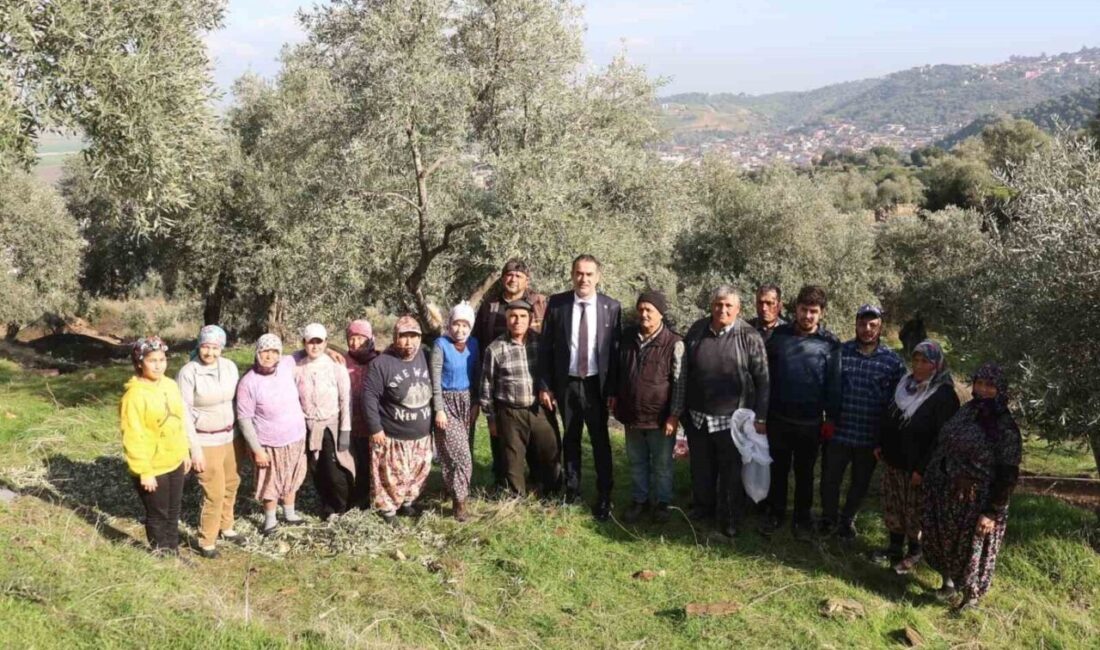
[
  {"x": 726, "y": 370},
  {"x": 578, "y": 360},
  {"x": 649, "y": 401},
  {"x": 804, "y": 365}
]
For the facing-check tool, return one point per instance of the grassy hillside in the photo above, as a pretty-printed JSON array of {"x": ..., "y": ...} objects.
[
  {"x": 1069, "y": 111},
  {"x": 927, "y": 96},
  {"x": 520, "y": 574}
]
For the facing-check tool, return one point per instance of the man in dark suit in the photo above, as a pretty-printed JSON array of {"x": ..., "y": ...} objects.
[{"x": 578, "y": 360}]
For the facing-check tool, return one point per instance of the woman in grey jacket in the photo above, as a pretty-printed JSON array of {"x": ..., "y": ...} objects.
[{"x": 208, "y": 384}]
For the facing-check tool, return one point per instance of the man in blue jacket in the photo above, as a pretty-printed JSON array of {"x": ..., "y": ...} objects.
[{"x": 804, "y": 366}]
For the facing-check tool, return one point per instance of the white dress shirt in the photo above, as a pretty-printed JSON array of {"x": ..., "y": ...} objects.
[{"x": 593, "y": 358}]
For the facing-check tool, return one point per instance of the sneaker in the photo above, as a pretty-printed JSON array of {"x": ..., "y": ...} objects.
[
  {"x": 209, "y": 553},
  {"x": 268, "y": 531},
  {"x": 908, "y": 563},
  {"x": 232, "y": 537},
  {"x": 846, "y": 530},
  {"x": 966, "y": 604},
  {"x": 661, "y": 514},
  {"x": 388, "y": 518},
  {"x": 601, "y": 510},
  {"x": 635, "y": 512}
]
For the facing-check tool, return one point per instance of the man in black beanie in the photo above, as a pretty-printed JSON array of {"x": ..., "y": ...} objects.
[{"x": 650, "y": 398}]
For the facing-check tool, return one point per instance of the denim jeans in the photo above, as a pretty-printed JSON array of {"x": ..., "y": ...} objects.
[{"x": 650, "y": 450}]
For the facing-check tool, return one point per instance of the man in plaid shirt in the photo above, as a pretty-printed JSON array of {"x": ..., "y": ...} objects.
[
  {"x": 869, "y": 373},
  {"x": 510, "y": 402}
]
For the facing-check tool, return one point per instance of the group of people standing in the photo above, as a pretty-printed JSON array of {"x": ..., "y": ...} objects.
[{"x": 362, "y": 424}]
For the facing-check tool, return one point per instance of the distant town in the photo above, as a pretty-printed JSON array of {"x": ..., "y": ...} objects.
[
  {"x": 800, "y": 146},
  {"x": 733, "y": 130}
]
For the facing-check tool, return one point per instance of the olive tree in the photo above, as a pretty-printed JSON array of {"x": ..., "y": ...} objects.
[
  {"x": 407, "y": 148},
  {"x": 1041, "y": 292},
  {"x": 132, "y": 76},
  {"x": 781, "y": 227},
  {"x": 40, "y": 251}
]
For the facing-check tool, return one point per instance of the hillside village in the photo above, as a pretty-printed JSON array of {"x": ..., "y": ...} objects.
[{"x": 938, "y": 100}]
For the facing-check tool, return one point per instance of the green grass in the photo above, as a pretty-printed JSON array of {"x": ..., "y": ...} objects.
[{"x": 520, "y": 574}]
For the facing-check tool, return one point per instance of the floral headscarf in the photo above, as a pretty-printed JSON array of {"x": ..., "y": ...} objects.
[
  {"x": 143, "y": 347},
  {"x": 910, "y": 393},
  {"x": 266, "y": 342}
]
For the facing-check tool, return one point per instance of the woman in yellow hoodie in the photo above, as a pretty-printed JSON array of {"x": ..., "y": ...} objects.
[{"x": 158, "y": 440}]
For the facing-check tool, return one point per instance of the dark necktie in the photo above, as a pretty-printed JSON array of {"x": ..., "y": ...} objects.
[{"x": 582, "y": 343}]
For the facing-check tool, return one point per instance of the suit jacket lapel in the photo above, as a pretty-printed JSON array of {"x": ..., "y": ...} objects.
[{"x": 567, "y": 322}]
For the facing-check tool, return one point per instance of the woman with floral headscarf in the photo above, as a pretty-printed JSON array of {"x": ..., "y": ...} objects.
[
  {"x": 968, "y": 482},
  {"x": 923, "y": 401},
  {"x": 397, "y": 405},
  {"x": 158, "y": 442},
  {"x": 209, "y": 383},
  {"x": 455, "y": 369},
  {"x": 272, "y": 422}
]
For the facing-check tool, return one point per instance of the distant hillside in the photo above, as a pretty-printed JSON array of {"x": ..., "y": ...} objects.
[
  {"x": 1071, "y": 111},
  {"x": 928, "y": 98},
  {"x": 53, "y": 150}
]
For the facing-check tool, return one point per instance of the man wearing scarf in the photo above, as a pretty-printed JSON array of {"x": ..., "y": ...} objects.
[{"x": 923, "y": 401}]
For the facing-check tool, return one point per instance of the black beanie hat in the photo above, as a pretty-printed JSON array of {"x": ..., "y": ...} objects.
[{"x": 655, "y": 298}]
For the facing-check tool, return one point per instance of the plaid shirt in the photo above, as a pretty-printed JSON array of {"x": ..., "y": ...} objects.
[
  {"x": 508, "y": 373},
  {"x": 867, "y": 385}
]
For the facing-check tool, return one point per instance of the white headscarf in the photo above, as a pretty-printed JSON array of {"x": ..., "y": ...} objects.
[{"x": 463, "y": 312}]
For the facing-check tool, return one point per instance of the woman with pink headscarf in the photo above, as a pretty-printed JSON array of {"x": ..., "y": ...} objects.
[{"x": 361, "y": 351}]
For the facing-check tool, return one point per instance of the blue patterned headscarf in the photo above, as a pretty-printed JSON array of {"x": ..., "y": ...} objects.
[{"x": 211, "y": 335}]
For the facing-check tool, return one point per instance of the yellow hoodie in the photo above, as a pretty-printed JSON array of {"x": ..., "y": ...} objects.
[{"x": 153, "y": 422}]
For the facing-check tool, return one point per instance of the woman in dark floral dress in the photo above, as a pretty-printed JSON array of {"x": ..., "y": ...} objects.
[{"x": 969, "y": 480}]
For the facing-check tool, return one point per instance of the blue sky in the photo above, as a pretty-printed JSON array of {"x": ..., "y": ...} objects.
[{"x": 750, "y": 46}]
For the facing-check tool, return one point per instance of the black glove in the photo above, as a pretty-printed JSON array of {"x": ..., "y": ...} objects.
[{"x": 343, "y": 442}]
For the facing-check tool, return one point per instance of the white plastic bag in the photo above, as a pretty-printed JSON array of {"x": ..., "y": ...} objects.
[{"x": 755, "y": 456}]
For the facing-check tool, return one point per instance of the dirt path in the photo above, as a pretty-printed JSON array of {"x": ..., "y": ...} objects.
[{"x": 1081, "y": 492}]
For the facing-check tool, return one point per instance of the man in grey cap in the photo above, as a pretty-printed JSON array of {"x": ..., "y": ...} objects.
[
  {"x": 869, "y": 373},
  {"x": 522, "y": 425},
  {"x": 491, "y": 322}
]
